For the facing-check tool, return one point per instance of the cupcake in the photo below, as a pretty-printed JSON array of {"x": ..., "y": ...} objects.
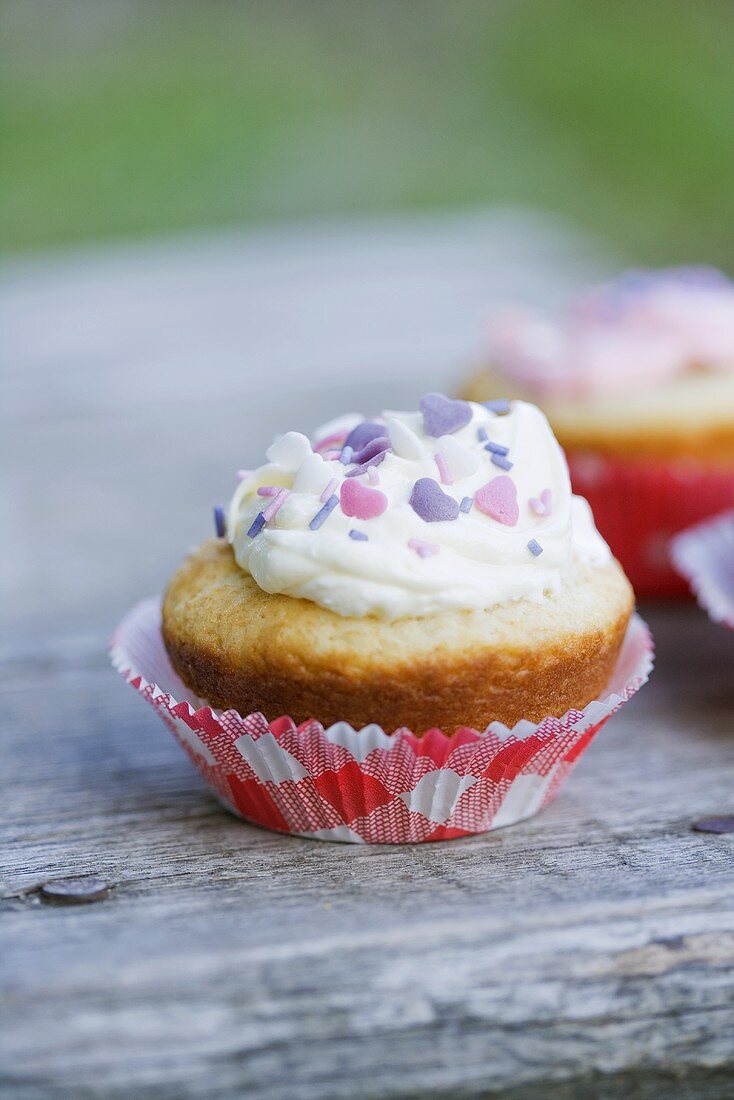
[
  {"x": 420, "y": 569},
  {"x": 409, "y": 630},
  {"x": 637, "y": 379}
]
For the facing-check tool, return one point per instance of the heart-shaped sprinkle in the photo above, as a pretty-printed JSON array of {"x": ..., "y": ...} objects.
[
  {"x": 289, "y": 451},
  {"x": 542, "y": 506},
  {"x": 429, "y": 501},
  {"x": 498, "y": 499},
  {"x": 312, "y": 475},
  {"x": 405, "y": 443},
  {"x": 442, "y": 415},
  {"x": 360, "y": 501},
  {"x": 462, "y": 462},
  {"x": 363, "y": 434},
  {"x": 374, "y": 447},
  {"x": 363, "y": 467}
]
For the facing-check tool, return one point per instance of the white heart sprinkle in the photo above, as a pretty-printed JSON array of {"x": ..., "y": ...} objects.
[
  {"x": 289, "y": 451},
  {"x": 313, "y": 475},
  {"x": 405, "y": 443},
  {"x": 461, "y": 462}
]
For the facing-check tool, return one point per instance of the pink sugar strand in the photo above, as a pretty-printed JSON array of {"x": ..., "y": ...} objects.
[
  {"x": 443, "y": 468},
  {"x": 423, "y": 549},
  {"x": 268, "y": 491},
  {"x": 330, "y": 456},
  {"x": 276, "y": 504},
  {"x": 373, "y": 475},
  {"x": 329, "y": 441},
  {"x": 329, "y": 489}
]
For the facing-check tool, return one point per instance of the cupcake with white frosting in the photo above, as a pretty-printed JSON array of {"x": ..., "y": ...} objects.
[
  {"x": 637, "y": 379},
  {"x": 423, "y": 569}
]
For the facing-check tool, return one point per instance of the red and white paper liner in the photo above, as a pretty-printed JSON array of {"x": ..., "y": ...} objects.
[
  {"x": 368, "y": 786},
  {"x": 640, "y": 504},
  {"x": 704, "y": 555}
]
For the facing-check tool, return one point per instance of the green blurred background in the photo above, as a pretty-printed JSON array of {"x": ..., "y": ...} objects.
[{"x": 126, "y": 118}]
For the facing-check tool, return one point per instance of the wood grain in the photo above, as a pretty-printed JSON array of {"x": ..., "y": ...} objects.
[{"x": 585, "y": 953}]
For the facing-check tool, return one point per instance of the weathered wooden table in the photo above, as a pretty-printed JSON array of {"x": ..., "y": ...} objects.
[{"x": 585, "y": 953}]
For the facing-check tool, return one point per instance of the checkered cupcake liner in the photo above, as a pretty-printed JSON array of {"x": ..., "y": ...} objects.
[
  {"x": 640, "y": 504},
  {"x": 704, "y": 556},
  {"x": 368, "y": 786}
]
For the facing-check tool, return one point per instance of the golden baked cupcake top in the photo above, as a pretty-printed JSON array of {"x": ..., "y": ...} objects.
[{"x": 456, "y": 507}]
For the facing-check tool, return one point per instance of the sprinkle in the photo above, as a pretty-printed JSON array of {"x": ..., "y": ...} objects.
[
  {"x": 423, "y": 549},
  {"x": 364, "y": 433},
  {"x": 370, "y": 450},
  {"x": 497, "y": 448},
  {"x": 268, "y": 491},
  {"x": 276, "y": 504},
  {"x": 373, "y": 475},
  {"x": 482, "y": 435},
  {"x": 346, "y": 456},
  {"x": 542, "y": 506},
  {"x": 242, "y": 474},
  {"x": 442, "y": 415},
  {"x": 502, "y": 462},
  {"x": 501, "y": 407},
  {"x": 220, "y": 525},
  {"x": 443, "y": 468},
  {"x": 359, "y": 536},
  {"x": 324, "y": 513},
  {"x": 256, "y": 526},
  {"x": 356, "y": 471},
  {"x": 466, "y": 504},
  {"x": 535, "y": 548},
  {"x": 329, "y": 489},
  {"x": 330, "y": 456},
  {"x": 329, "y": 441},
  {"x": 428, "y": 500}
]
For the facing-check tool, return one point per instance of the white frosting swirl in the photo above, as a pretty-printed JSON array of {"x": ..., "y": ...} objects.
[{"x": 408, "y": 566}]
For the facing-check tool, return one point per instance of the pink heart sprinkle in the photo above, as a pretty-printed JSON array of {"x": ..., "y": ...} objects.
[
  {"x": 541, "y": 507},
  {"x": 498, "y": 499},
  {"x": 360, "y": 501}
]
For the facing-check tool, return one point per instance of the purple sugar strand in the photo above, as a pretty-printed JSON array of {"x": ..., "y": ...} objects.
[
  {"x": 502, "y": 462},
  {"x": 324, "y": 513},
  {"x": 358, "y": 536},
  {"x": 535, "y": 548},
  {"x": 496, "y": 448},
  {"x": 466, "y": 504},
  {"x": 220, "y": 525},
  {"x": 256, "y": 526}
]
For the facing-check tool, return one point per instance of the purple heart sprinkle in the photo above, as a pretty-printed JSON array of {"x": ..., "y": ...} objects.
[
  {"x": 442, "y": 415},
  {"x": 500, "y": 407},
  {"x": 363, "y": 468},
  {"x": 324, "y": 513},
  {"x": 535, "y": 548},
  {"x": 363, "y": 434},
  {"x": 374, "y": 447},
  {"x": 502, "y": 462},
  {"x": 497, "y": 448},
  {"x": 220, "y": 525},
  {"x": 466, "y": 504},
  {"x": 429, "y": 501},
  {"x": 359, "y": 536},
  {"x": 256, "y": 526}
]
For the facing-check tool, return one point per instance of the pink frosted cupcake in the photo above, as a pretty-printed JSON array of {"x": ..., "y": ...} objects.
[{"x": 637, "y": 379}]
